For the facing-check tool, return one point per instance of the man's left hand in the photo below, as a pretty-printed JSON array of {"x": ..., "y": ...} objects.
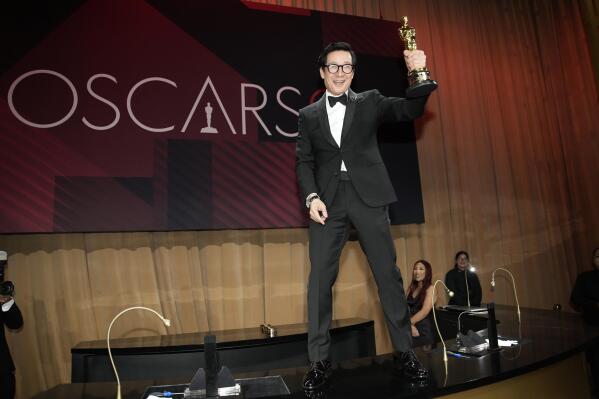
[{"x": 415, "y": 59}]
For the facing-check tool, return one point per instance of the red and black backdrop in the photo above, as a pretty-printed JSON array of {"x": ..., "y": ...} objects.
[{"x": 104, "y": 113}]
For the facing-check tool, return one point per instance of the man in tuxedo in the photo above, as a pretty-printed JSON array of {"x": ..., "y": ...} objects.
[
  {"x": 344, "y": 182},
  {"x": 10, "y": 316}
]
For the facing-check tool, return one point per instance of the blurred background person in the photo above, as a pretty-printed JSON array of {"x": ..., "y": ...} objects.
[
  {"x": 419, "y": 296},
  {"x": 585, "y": 299},
  {"x": 456, "y": 282},
  {"x": 10, "y": 316}
]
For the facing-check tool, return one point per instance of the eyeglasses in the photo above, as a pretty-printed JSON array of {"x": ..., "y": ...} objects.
[{"x": 347, "y": 68}]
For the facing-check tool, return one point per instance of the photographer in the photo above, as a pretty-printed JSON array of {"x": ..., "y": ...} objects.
[{"x": 10, "y": 316}]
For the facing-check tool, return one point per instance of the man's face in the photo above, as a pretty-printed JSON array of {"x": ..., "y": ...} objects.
[{"x": 337, "y": 83}]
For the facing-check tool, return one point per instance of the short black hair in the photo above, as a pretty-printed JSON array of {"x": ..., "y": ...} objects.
[{"x": 336, "y": 46}]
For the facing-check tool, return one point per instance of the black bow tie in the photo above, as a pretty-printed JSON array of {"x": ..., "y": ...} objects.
[{"x": 342, "y": 99}]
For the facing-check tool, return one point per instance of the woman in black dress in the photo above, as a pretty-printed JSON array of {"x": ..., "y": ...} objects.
[{"x": 419, "y": 298}]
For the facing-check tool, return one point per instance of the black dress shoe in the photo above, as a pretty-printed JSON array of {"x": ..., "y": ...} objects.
[
  {"x": 410, "y": 366},
  {"x": 317, "y": 376}
]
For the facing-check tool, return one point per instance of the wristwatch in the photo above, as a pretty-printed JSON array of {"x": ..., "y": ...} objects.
[{"x": 311, "y": 198}]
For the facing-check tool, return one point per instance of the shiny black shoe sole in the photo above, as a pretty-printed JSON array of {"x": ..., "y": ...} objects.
[
  {"x": 324, "y": 384},
  {"x": 401, "y": 371},
  {"x": 413, "y": 377}
]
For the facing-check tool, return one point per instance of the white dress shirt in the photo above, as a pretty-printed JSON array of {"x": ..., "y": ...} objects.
[
  {"x": 336, "y": 115},
  {"x": 7, "y": 305}
]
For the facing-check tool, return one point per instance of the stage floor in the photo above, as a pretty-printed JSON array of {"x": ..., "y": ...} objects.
[{"x": 549, "y": 364}]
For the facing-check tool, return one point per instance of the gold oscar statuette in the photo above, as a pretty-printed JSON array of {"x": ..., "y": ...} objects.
[{"x": 419, "y": 79}]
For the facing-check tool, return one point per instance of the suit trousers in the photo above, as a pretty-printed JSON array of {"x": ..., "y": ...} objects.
[
  {"x": 7, "y": 384},
  {"x": 326, "y": 244}
]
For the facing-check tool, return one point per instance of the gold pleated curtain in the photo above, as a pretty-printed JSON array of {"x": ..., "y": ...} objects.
[{"x": 509, "y": 162}]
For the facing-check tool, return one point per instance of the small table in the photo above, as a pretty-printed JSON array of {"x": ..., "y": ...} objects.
[{"x": 242, "y": 350}]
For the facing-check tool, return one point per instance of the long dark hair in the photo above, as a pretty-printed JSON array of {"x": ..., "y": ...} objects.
[{"x": 428, "y": 277}]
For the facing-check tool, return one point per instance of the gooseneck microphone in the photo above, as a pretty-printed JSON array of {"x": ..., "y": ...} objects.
[
  {"x": 492, "y": 327},
  {"x": 450, "y": 293},
  {"x": 166, "y": 322},
  {"x": 513, "y": 286},
  {"x": 472, "y": 269}
]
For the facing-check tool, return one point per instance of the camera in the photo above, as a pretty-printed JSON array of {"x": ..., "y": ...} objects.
[{"x": 7, "y": 288}]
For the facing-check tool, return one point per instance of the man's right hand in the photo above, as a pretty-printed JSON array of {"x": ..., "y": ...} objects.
[
  {"x": 415, "y": 332},
  {"x": 318, "y": 211}
]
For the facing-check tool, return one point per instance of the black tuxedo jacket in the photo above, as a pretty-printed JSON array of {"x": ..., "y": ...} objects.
[
  {"x": 318, "y": 157},
  {"x": 12, "y": 319}
]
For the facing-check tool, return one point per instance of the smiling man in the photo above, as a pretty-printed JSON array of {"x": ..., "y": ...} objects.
[{"x": 344, "y": 182}]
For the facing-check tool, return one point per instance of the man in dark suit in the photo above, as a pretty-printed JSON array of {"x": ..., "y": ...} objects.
[
  {"x": 10, "y": 316},
  {"x": 344, "y": 182}
]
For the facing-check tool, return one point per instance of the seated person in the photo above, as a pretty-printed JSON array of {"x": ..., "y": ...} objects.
[
  {"x": 585, "y": 298},
  {"x": 419, "y": 297},
  {"x": 456, "y": 282},
  {"x": 585, "y": 295}
]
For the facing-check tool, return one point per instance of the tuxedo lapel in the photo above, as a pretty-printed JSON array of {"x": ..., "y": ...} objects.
[
  {"x": 349, "y": 114},
  {"x": 324, "y": 120}
]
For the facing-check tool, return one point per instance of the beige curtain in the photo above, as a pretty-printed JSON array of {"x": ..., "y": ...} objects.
[{"x": 509, "y": 163}]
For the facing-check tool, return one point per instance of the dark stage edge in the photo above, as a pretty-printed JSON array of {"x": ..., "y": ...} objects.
[{"x": 552, "y": 340}]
